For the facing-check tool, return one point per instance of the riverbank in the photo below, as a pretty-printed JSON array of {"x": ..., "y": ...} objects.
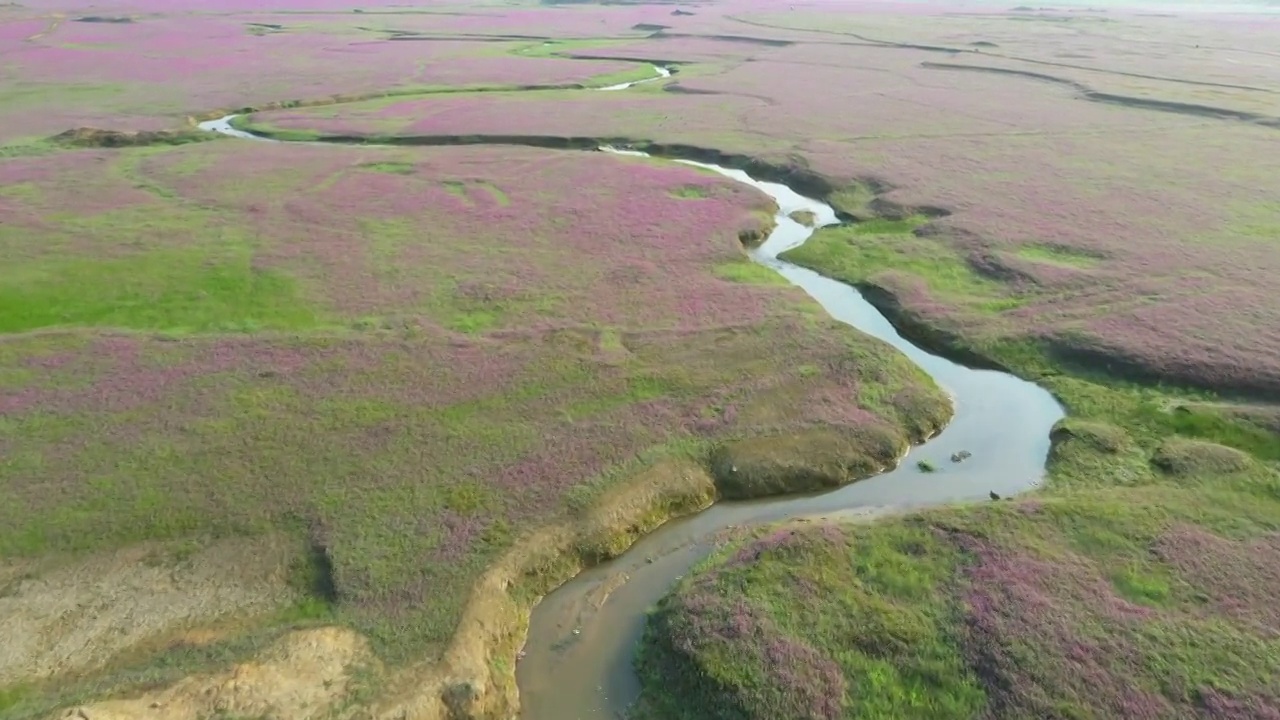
[
  {"x": 1136, "y": 583},
  {"x": 1145, "y": 591}
]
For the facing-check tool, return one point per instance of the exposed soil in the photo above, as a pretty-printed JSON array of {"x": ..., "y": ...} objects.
[
  {"x": 305, "y": 675},
  {"x": 76, "y": 615}
]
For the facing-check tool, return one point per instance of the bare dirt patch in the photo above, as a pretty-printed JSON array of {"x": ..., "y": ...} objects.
[
  {"x": 303, "y": 676},
  {"x": 75, "y": 616}
]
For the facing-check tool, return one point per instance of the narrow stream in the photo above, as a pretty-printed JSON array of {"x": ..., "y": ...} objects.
[
  {"x": 582, "y": 637},
  {"x": 577, "y": 660},
  {"x": 662, "y": 73}
]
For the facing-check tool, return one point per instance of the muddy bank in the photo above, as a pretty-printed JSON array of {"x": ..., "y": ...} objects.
[
  {"x": 795, "y": 176},
  {"x": 1076, "y": 354},
  {"x": 928, "y": 335},
  {"x": 476, "y": 679}
]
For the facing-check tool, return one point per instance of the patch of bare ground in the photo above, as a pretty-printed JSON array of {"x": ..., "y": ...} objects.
[
  {"x": 74, "y": 616},
  {"x": 306, "y": 675},
  {"x": 475, "y": 678}
]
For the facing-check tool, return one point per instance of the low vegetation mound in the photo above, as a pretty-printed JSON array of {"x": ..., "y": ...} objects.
[
  {"x": 1179, "y": 456},
  {"x": 97, "y": 137},
  {"x": 1095, "y": 436},
  {"x": 1026, "y": 609},
  {"x": 809, "y": 461},
  {"x": 744, "y": 659}
]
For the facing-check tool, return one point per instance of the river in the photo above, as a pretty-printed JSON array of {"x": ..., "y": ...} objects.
[{"x": 577, "y": 660}]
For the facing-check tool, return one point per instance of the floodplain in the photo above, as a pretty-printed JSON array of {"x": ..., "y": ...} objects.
[{"x": 328, "y": 416}]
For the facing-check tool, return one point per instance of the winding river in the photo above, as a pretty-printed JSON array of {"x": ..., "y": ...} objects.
[{"x": 576, "y": 663}]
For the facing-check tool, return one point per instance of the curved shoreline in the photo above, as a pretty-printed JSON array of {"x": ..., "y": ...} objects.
[{"x": 580, "y": 635}]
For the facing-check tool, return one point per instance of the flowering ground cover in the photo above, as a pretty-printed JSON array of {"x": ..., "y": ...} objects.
[
  {"x": 156, "y": 70},
  {"x": 1130, "y": 588},
  {"x": 1214, "y": 60},
  {"x": 1104, "y": 238},
  {"x": 166, "y": 217},
  {"x": 407, "y": 358}
]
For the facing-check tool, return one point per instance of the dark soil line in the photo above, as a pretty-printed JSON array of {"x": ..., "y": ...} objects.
[
  {"x": 804, "y": 181},
  {"x": 428, "y": 38},
  {"x": 1080, "y": 87},
  {"x": 668, "y": 64},
  {"x": 346, "y": 99},
  {"x": 1125, "y": 73},
  {"x": 1078, "y": 360},
  {"x": 953, "y": 51},
  {"x": 746, "y": 39},
  {"x": 865, "y": 40},
  {"x": 1086, "y": 360},
  {"x": 1087, "y": 93},
  {"x": 926, "y": 335}
]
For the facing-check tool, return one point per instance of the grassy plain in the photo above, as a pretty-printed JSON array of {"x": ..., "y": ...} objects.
[
  {"x": 403, "y": 359},
  {"x": 1182, "y": 250},
  {"x": 1137, "y": 583}
]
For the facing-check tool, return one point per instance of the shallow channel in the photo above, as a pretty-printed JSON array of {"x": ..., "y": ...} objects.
[{"x": 577, "y": 660}]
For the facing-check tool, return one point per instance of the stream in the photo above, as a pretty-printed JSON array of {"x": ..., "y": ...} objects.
[
  {"x": 662, "y": 73},
  {"x": 577, "y": 660}
]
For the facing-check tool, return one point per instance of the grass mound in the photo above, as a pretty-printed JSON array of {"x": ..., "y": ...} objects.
[
  {"x": 1097, "y": 436},
  {"x": 804, "y": 461},
  {"x": 97, "y": 137},
  {"x": 1179, "y": 456},
  {"x": 864, "y": 615},
  {"x": 771, "y": 672},
  {"x": 1098, "y": 605}
]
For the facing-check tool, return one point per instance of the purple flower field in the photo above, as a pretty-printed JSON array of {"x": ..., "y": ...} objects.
[
  {"x": 1131, "y": 189},
  {"x": 411, "y": 357},
  {"x": 1012, "y": 612},
  {"x": 446, "y": 344},
  {"x": 583, "y": 239},
  {"x": 155, "y": 71}
]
